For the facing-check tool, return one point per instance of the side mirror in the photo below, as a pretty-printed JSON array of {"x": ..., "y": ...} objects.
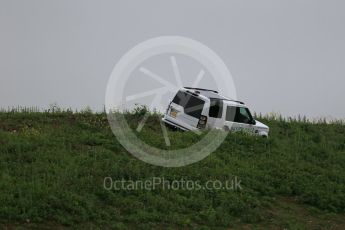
[{"x": 253, "y": 122}]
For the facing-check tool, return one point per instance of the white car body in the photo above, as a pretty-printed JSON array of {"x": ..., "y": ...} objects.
[{"x": 195, "y": 108}]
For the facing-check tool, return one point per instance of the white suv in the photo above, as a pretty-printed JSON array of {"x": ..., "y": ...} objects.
[{"x": 195, "y": 108}]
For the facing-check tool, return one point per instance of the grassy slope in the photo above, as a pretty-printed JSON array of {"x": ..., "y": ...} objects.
[{"x": 52, "y": 169}]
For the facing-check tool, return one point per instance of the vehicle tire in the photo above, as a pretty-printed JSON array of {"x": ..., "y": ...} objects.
[{"x": 226, "y": 128}]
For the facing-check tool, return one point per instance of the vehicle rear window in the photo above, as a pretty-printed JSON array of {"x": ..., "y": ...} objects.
[
  {"x": 216, "y": 108},
  {"x": 192, "y": 104}
]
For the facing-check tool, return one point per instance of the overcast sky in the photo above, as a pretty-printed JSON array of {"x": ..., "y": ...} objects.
[{"x": 285, "y": 56}]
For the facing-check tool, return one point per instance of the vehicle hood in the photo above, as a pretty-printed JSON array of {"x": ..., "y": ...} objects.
[{"x": 261, "y": 125}]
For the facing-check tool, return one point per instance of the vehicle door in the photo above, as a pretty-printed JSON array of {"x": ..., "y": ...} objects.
[{"x": 239, "y": 118}]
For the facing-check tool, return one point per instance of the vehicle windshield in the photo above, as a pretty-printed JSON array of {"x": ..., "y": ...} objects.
[{"x": 192, "y": 104}]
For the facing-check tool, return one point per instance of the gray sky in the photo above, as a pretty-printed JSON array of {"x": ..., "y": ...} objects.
[{"x": 285, "y": 56}]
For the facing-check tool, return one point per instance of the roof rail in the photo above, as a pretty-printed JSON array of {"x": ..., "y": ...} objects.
[
  {"x": 240, "y": 102},
  {"x": 226, "y": 99},
  {"x": 201, "y": 89}
]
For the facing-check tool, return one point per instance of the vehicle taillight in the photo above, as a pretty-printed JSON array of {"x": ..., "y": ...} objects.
[{"x": 202, "y": 122}]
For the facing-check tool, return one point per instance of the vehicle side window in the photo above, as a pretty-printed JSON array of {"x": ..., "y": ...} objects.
[
  {"x": 238, "y": 114},
  {"x": 243, "y": 115},
  {"x": 216, "y": 108},
  {"x": 230, "y": 113}
]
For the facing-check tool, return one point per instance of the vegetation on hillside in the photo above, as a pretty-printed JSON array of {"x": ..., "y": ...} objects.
[{"x": 53, "y": 165}]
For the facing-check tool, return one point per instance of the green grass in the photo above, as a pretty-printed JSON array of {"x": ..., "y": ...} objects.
[{"x": 53, "y": 165}]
